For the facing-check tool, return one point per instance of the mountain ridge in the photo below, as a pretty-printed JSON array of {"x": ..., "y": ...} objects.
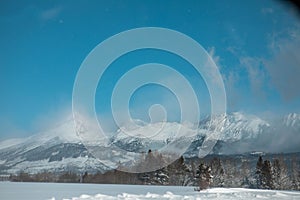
[{"x": 61, "y": 148}]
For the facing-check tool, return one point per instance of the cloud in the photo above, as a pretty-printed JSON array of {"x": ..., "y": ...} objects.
[
  {"x": 279, "y": 70},
  {"x": 276, "y": 137},
  {"x": 233, "y": 49},
  {"x": 51, "y": 13},
  {"x": 216, "y": 58},
  {"x": 233, "y": 95},
  {"x": 53, "y": 118},
  {"x": 280, "y": 138},
  {"x": 284, "y": 64},
  {"x": 231, "y": 79},
  {"x": 267, "y": 10},
  {"x": 41, "y": 123},
  {"x": 256, "y": 74}
]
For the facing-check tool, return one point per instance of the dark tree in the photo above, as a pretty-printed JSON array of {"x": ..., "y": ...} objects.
[
  {"x": 69, "y": 177},
  {"x": 258, "y": 173},
  {"x": 248, "y": 181},
  {"x": 204, "y": 176},
  {"x": 267, "y": 176},
  {"x": 153, "y": 160},
  {"x": 295, "y": 174},
  {"x": 160, "y": 177},
  {"x": 179, "y": 173},
  {"x": 217, "y": 172},
  {"x": 280, "y": 173}
]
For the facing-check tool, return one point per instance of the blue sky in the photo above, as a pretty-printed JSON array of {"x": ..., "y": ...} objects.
[{"x": 255, "y": 44}]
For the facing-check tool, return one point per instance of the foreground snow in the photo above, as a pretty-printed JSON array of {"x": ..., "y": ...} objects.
[
  {"x": 58, "y": 191},
  {"x": 215, "y": 193}
]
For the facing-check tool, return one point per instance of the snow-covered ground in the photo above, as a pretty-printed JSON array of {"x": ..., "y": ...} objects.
[
  {"x": 58, "y": 191},
  {"x": 214, "y": 193}
]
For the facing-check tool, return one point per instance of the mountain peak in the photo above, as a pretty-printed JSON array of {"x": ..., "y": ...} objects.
[
  {"x": 292, "y": 120},
  {"x": 237, "y": 126}
]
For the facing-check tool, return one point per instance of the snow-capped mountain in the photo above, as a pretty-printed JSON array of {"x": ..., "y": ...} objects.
[
  {"x": 236, "y": 126},
  {"x": 292, "y": 120},
  {"x": 58, "y": 149},
  {"x": 151, "y": 136},
  {"x": 61, "y": 149},
  {"x": 64, "y": 132}
]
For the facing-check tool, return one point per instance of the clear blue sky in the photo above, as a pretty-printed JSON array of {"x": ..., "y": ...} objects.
[{"x": 43, "y": 43}]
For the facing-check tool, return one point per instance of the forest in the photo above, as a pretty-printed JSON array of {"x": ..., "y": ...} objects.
[{"x": 280, "y": 172}]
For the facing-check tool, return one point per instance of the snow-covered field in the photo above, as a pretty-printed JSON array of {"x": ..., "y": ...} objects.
[{"x": 57, "y": 191}]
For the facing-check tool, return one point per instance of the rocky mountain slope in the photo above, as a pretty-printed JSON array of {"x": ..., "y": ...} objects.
[{"x": 61, "y": 149}]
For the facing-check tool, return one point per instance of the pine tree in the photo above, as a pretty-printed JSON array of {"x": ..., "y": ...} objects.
[
  {"x": 179, "y": 172},
  {"x": 231, "y": 171},
  {"x": 159, "y": 177},
  {"x": 258, "y": 173},
  {"x": 280, "y": 174},
  {"x": 153, "y": 160},
  {"x": 267, "y": 176},
  {"x": 217, "y": 172},
  {"x": 295, "y": 174},
  {"x": 204, "y": 176},
  {"x": 146, "y": 164},
  {"x": 248, "y": 181},
  {"x": 145, "y": 178}
]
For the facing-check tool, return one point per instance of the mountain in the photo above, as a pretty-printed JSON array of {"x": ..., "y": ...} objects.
[
  {"x": 61, "y": 149},
  {"x": 237, "y": 126},
  {"x": 237, "y": 130},
  {"x": 292, "y": 120},
  {"x": 151, "y": 136},
  {"x": 56, "y": 150}
]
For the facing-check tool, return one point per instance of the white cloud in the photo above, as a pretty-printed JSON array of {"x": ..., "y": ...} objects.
[
  {"x": 284, "y": 64},
  {"x": 231, "y": 79},
  {"x": 216, "y": 58},
  {"x": 51, "y": 13},
  {"x": 279, "y": 71},
  {"x": 54, "y": 117},
  {"x": 256, "y": 74},
  {"x": 233, "y": 49},
  {"x": 267, "y": 10},
  {"x": 233, "y": 96}
]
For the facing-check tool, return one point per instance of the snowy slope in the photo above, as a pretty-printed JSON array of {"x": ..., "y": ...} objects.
[
  {"x": 64, "y": 132},
  {"x": 56, "y": 150},
  {"x": 11, "y": 142},
  {"x": 151, "y": 136},
  {"x": 61, "y": 149},
  {"x": 58, "y": 191},
  {"x": 237, "y": 126},
  {"x": 210, "y": 194},
  {"x": 292, "y": 120}
]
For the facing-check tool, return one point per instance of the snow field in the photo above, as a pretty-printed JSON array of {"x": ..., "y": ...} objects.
[
  {"x": 67, "y": 191},
  {"x": 210, "y": 194}
]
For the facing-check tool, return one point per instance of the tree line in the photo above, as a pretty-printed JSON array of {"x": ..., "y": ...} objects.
[{"x": 201, "y": 173}]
